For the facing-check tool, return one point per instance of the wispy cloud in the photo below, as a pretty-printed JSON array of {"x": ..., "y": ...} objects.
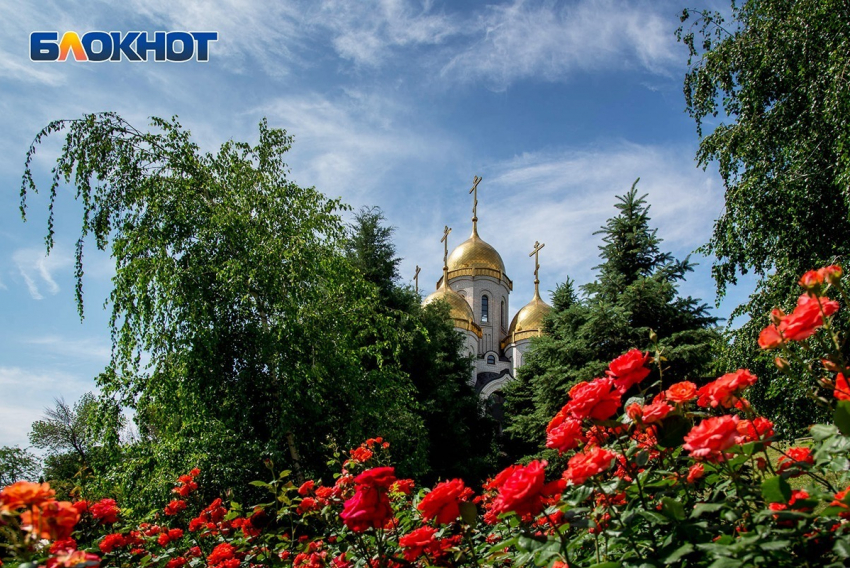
[
  {"x": 368, "y": 32},
  {"x": 37, "y": 269},
  {"x": 524, "y": 39},
  {"x": 81, "y": 348}
]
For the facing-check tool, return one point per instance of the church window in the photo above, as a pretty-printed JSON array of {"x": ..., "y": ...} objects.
[
  {"x": 491, "y": 359},
  {"x": 504, "y": 315},
  {"x": 485, "y": 309}
]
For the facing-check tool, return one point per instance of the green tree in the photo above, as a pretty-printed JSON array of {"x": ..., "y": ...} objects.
[
  {"x": 635, "y": 293},
  {"x": 460, "y": 436},
  {"x": 17, "y": 464},
  {"x": 775, "y": 73},
  {"x": 67, "y": 429},
  {"x": 262, "y": 339}
]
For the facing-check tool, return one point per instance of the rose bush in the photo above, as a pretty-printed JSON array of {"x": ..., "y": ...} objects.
[{"x": 682, "y": 476}]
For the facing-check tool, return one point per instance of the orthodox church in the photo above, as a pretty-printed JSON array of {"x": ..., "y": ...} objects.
[{"x": 476, "y": 286}]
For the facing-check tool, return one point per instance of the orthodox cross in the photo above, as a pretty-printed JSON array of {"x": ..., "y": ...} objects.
[
  {"x": 416, "y": 278},
  {"x": 536, "y": 253},
  {"x": 475, "y": 181},
  {"x": 445, "y": 241}
]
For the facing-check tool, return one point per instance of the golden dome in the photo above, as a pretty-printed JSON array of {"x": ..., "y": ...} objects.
[
  {"x": 475, "y": 253},
  {"x": 528, "y": 322},
  {"x": 459, "y": 310}
]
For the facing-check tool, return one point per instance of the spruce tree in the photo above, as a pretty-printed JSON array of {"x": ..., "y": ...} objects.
[
  {"x": 460, "y": 436},
  {"x": 635, "y": 292}
]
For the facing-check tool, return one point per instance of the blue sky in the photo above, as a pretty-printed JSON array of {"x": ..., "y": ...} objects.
[{"x": 559, "y": 106}]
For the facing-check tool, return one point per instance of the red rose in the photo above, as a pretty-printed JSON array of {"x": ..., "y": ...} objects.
[
  {"x": 174, "y": 507},
  {"x": 628, "y": 369},
  {"x": 110, "y": 542},
  {"x": 221, "y": 553},
  {"x": 501, "y": 477},
  {"x": 565, "y": 436},
  {"x": 176, "y": 562},
  {"x": 711, "y": 437},
  {"x": 597, "y": 399},
  {"x": 105, "y": 510},
  {"x": 722, "y": 392},
  {"x": 806, "y": 318},
  {"x": 404, "y": 486},
  {"x": 382, "y": 477},
  {"x": 583, "y": 466},
  {"x": 368, "y": 508},
  {"x": 795, "y": 456},
  {"x": 306, "y": 487},
  {"x": 522, "y": 492},
  {"x": 443, "y": 502},
  {"x": 754, "y": 430},
  {"x": 681, "y": 393},
  {"x": 695, "y": 472},
  {"x": 842, "y": 389},
  {"x": 652, "y": 413},
  {"x": 416, "y": 542}
]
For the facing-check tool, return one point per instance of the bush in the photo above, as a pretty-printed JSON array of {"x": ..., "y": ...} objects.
[{"x": 684, "y": 476}]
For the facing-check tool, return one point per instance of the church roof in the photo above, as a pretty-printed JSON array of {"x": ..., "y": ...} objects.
[
  {"x": 528, "y": 322},
  {"x": 459, "y": 310}
]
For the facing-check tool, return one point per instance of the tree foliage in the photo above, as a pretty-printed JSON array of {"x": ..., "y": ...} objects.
[
  {"x": 67, "y": 429},
  {"x": 17, "y": 464},
  {"x": 635, "y": 293},
  {"x": 768, "y": 90},
  {"x": 263, "y": 341},
  {"x": 460, "y": 437}
]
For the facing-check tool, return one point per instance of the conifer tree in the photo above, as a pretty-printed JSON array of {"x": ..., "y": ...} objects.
[
  {"x": 635, "y": 292},
  {"x": 460, "y": 436}
]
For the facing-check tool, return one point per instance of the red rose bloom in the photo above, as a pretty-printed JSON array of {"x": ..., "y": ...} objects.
[
  {"x": 583, "y": 466},
  {"x": 753, "y": 430},
  {"x": 221, "y": 553},
  {"x": 368, "y": 508},
  {"x": 443, "y": 502},
  {"x": 722, "y": 392},
  {"x": 681, "y": 393},
  {"x": 711, "y": 437},
  {"x": 523, "y": 491},
  {"x": 597, "y": 399},
  {"x": 652, "y": 413},
  {"x": 416, "y": 542},
  {"x": 565, "y": 436},
  {"x": 382, "y": 477},
  {"x": 695, "y": 472},
  {"x": 110, "y": 542},
  {"x": 174, "y": 507},
  {"x": 842, "y": 389},
  {"x": 404, "y": 486},
  {"x": 628, "y": 369},
  {"x": 306, "y": 487},
  {"x": 797, "y": 455},
  {"x": 176, "y": 562},
  {"x": 106, "y": 511},
  {"x": 806, "y": 318}
]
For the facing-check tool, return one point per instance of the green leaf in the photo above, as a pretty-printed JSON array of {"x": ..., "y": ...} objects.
[
  {"x": 672, "y": 509},
  {"x": 683, "y": 550},
  {"x": 701, "y": 508},
  {"x": 672, "y": 432},
  {"x": 469, "y": 514},
  {"x": 776, "y": 490},
  {"x": 842, "y": 416}
]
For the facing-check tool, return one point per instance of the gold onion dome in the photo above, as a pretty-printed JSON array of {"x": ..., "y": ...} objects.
[
  {"x": 475, "y": 253},
  {"x": 529, "y": 320},
  {"x": 459, "y": 310}
]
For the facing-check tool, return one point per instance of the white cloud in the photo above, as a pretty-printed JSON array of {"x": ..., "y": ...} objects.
[
  {"x": 366, "y": 32},
  {"x": 531, "y": 39},
  {"x": 37, "y": 269},
  {"x": 561, "y": 198},
  {"x": 83, "y": 348}
]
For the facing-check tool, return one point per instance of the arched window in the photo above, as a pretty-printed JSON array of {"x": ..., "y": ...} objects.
[
  {"x": 491, "y": 359},
  {"x": 504, "y": 315},
  {"x": 485, "y": 309}
]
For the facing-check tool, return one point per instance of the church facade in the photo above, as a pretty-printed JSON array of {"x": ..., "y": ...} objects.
[{"x": 477, "y": 288}]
